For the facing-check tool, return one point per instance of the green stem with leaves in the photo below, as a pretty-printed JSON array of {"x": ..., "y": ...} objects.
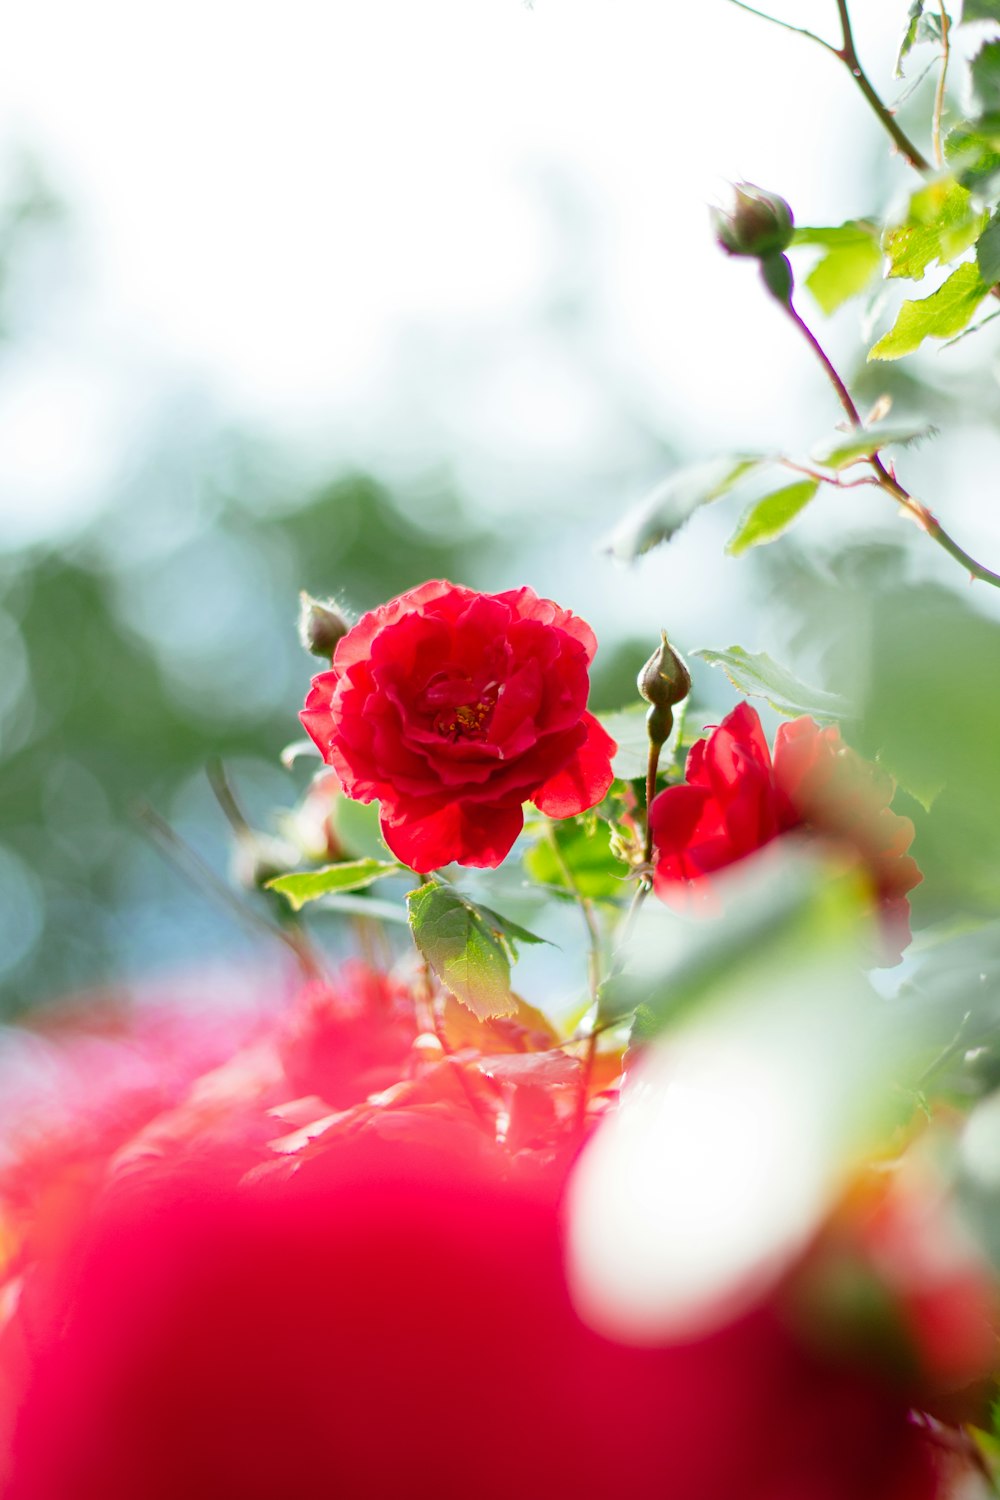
[{"x": 883, "y": 477}]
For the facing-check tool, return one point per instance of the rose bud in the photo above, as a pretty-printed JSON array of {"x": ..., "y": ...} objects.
[
  {"x": 757, "y": 224},
  {"x": 663, "y": 682},
  {"x": 321, "y": 625}
]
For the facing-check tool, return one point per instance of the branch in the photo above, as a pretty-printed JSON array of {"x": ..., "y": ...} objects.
[
  {"x": 785, "y": 25},
  {"x": 886, "y": 480}
]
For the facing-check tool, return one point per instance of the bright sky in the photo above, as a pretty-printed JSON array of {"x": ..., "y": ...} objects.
[{"x": 295, "y": 206}]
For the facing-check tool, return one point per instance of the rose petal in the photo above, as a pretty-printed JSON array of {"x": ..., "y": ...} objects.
[
  {"x": 584, "y": 780},
  {"x": 466, "y": 833}
]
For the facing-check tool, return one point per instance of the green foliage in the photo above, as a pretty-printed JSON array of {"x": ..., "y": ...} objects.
[
  {"x": 973, "y": 153},
  {"x": 985, "y": 75},
  {"x": 945, "y": 313},
  {"x": 980, "y": 10},
  {"x": 844, "y": 449},
  {"x": 909, "y": 38},
  {"x": 627, "y": 727},
  {"x": 767, "y": 518},
  {"x": 469, "y": 947},
  {"x": 582, "y": 863},
  {"x": 662, "y": 514},
  {"x": 759, "y": 676},
  {"x": 988, "y": 251},
  {"x": 930, "y": 712},
  {"x": 790, "y": 913},
  {"x": 942, "y": 221},
  {"x": 304, "y": 886},
  {"x": 849, "y": 266}
]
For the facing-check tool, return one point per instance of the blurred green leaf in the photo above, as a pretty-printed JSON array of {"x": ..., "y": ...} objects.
[
  {"x": 931, "y": 713},
  {"x": 357, "y": 826},
  {"x": 942, "y": 222},
  {"x": 586, "y": 853},
  {"x": 662, "y": 514},
  {"x": 627, "y": 727},
  {"x": 846, "y": 448},
  {"x": 308, "y": 885},
  {"x": 772, "y": 913},
  {"x": 909, "y": 34},
  {"x": 985, "y": 73},
  {"x": 852, "y": 260},
  {"x": 464, "y": 948},
  {"x": 947, "y": 311},
  {"x": 981, "y": 10},
  {"x": 767, "y": 518},
  {"x": 973, "y": 153},
  {"x": 988, "y": 251},
  {"x": 759, "y": 676}
]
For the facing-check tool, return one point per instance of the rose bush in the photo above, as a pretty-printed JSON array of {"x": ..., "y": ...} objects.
[
  {"x": 453, "y": 708},
  {"x": 735, "y": 799}
]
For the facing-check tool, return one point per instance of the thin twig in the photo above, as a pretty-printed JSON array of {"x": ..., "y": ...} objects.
[
  {"x": 884, "y": 478},
  {"x": 939, "y": 92},
  {"x": 785, "y": 25},
  {"x": 190, "y": 864}
]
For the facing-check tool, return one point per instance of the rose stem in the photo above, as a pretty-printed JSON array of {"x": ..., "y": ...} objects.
[
  {"x": 939, "y": 91},
  {"x": 847, "y": 54},
  {"x": 887, "y": 481}
]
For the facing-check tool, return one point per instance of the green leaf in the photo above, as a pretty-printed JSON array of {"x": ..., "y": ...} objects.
[
  {"x": 973, "y": 153},
  {"x": 941, "y": 223},
  {"x": 985, "y": 73},
  {"x": 846, "y": 448},
  {"x": 909, "y": 35},
  {"x": 981, "y": 10},
  {"x": 662, "y": 514},
  {"x": 844, "y": 273},
  {"x": 627, "y": 727},
  {"x": 586, "y": 852},
  {"x": 939, "y": 316},
  {"x": 768, "y": 517},
  {"x": 308, "y": 885},
  {"x": 988, "y": 251},
  {"x": 357, "y": 828},
  {"x": 512, "y": 932},
  {"x": 791, "y": 911},
  {"x": 760, "y": 677},
  {"x": 464, "y": 948}
]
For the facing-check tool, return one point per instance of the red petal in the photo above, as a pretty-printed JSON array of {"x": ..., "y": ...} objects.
[
  {"x": 464, "y": 833},
  {"x": 315, "y": 716},
  {"x": 583, "y": 781}
]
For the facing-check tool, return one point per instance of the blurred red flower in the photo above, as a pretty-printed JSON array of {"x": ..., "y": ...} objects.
[
  {"x": 453, "y": 708},
  {"x": 734, "y": 800},
  {"x": 393, "y": 1319}
]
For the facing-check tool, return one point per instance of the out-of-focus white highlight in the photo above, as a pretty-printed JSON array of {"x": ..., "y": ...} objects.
[{"x": 694, "y": 1196}]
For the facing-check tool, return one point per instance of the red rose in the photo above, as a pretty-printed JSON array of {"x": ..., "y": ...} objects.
[
  {"x": 395, "y": 1321},
  {"x": 453, "y": 708},
  {"x": 735, "y": 800}
]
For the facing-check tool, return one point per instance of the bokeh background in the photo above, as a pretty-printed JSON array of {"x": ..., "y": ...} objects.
[{"x": 343, "y": 297}]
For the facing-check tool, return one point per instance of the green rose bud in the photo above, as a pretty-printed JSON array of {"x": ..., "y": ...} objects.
[
  {"x": 663, "y": 682},
  {"x": 321, "y": 625},
  {"x": 758, "y": 223}
]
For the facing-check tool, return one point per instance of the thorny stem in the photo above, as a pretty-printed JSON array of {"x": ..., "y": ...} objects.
[
  {"x": 939, "y": 92},
  {"x": 883, "y": 476}
]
